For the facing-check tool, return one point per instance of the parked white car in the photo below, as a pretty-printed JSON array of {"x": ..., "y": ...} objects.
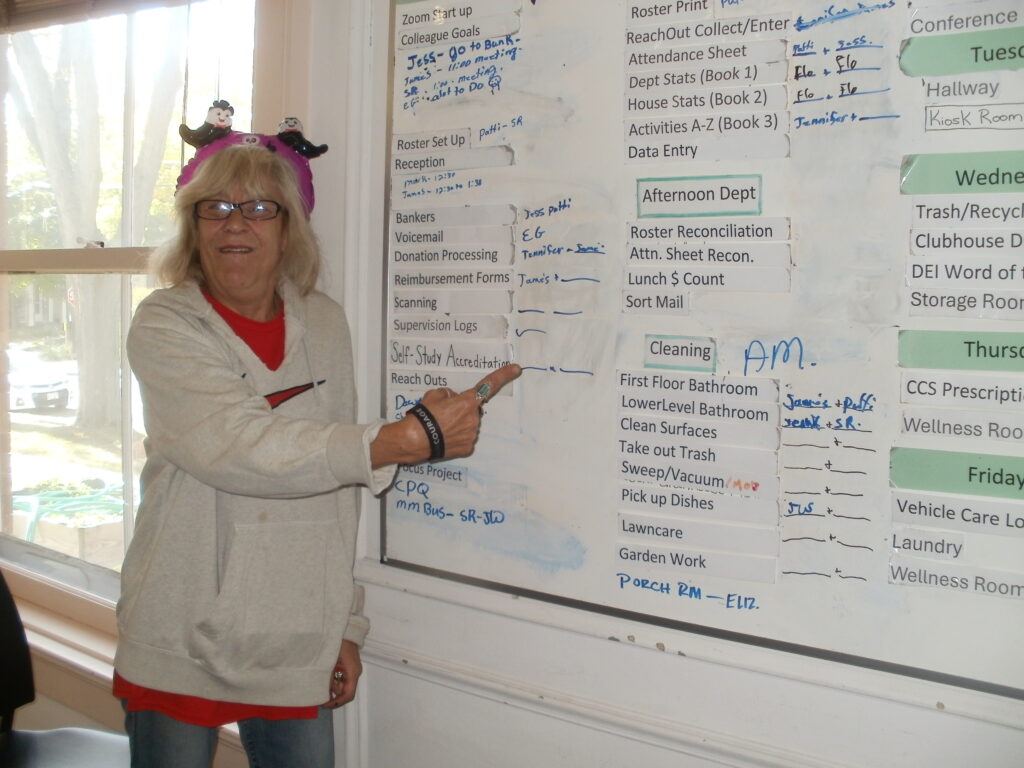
[{"x": 35, "y": 383}]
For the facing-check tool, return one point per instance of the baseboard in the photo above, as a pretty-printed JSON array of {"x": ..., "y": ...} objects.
[{"x": 586, "y": 713}]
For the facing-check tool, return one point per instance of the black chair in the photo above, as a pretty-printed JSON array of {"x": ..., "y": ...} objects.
[{"x": 57, "y": 748}]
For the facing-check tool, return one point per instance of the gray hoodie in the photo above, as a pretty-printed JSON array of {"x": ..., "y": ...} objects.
[{"x": 238, "y": 584}]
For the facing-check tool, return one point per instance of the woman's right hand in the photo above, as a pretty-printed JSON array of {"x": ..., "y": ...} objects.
[{"x": 457, "y": 416}]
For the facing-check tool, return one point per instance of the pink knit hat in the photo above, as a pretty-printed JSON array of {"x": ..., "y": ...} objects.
[{"x": 215, "y": 134}]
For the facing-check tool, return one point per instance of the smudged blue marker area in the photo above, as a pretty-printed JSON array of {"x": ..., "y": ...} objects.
[
  {"x": 523, "y": 535},
  {"x": 538, "y": 541},
  {"x": 481, "y": 506}
]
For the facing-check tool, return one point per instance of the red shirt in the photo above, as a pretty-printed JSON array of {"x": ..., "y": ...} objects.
[
  {"x": 199, "y": 711},
  {"x": 267, "y": 341}
]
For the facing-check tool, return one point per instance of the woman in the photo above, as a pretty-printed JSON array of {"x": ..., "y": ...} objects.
[{"x": 237, "y": 601}]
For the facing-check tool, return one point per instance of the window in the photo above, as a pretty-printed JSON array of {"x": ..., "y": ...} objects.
[{"x": 89, "y": 157}]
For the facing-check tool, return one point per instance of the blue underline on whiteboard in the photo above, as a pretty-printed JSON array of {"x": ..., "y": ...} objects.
[
  {"x": 577, "y": 279},
  {"x": 554, "y": 369},
  {"x": 864, "y": 93},
  {"x": 859, "y": 69},
  {"x": 803, "y": 538},
  {"x": 807, "y": 53},
  {"x": 808, "y": 101},
  {"x": 807, "y": 573},
  {"x": 830, "y": 15},
  {"x": 524, "y": 331},
  {"x": 880, "y": 117},
  {"x": 854, "y": 546},
  {"x": 855, "y": 47},
  {"x": 554, "y": 312}
]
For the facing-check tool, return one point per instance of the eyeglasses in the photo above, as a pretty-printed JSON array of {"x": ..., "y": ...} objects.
[{"x": 256, "y": 210}]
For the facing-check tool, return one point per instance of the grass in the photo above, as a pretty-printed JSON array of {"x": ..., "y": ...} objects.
[{"x": 68, "y": 445}]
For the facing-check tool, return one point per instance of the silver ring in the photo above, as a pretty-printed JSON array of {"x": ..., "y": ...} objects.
[{"x": 339, "y": 675}]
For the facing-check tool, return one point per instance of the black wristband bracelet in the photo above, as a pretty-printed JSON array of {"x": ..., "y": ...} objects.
[{"x": 432, "y": 428}]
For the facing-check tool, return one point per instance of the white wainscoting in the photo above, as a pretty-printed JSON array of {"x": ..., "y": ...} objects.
[{"x": 450, "y": 684}]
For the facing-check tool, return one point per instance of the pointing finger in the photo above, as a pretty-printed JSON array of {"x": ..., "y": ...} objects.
[{"x": 490, "y": 384}]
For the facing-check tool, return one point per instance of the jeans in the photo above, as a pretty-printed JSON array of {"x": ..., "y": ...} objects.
[{"x": 160, "y": 741}]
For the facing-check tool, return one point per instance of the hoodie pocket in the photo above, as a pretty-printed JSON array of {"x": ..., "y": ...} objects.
[{"x": 272, "y": 606}]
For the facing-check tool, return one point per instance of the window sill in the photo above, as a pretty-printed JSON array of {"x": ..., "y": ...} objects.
[
  {"x": 73, "y": 637},
  {"x": 53, "y": 609}
]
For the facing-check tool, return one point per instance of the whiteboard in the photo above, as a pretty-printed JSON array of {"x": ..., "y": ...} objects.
[{"x": 761, "y": 263}]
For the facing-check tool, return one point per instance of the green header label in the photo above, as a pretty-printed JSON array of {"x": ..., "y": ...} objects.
[
  {"x": 962, "y": 350},
  {"x": 962, "y": 173},
  {"x": 984, "y": 51},
  {"x": 976, "y": 474}
]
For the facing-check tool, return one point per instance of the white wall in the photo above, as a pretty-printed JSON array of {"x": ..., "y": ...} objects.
[{"x": 457, "y": 676}]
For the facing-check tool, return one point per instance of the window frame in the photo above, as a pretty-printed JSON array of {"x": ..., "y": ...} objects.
[
  {"x": 79, "y": 261},
  {"x": 281, "y": 78},
  {"x": 21, "y": 15}
]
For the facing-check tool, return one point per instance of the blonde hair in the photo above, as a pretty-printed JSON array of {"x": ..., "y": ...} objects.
[{"x": 261, "y": 175}]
